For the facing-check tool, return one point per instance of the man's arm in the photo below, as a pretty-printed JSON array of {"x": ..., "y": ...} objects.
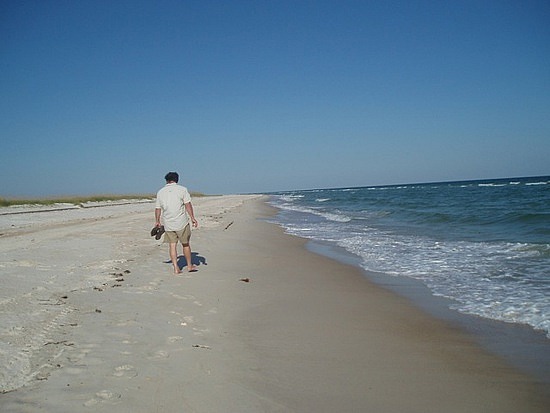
[
  {"x": 157, "y": 216},
  {"x": 189, "y": 209}
]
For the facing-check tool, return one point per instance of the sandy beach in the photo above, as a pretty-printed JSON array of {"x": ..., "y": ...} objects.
[{"x": 92, "y": 319}]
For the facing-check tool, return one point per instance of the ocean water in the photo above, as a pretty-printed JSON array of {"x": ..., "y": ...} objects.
[{"x": 484, "y": 245}]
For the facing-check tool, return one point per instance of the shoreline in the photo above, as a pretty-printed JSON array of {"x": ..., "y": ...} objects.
[
  {"x": 305, "y": 333},
  {"x": 519, "y": 344}
]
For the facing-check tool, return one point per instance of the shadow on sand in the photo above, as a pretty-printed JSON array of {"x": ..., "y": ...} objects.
[{"x": 196, "y": 259}]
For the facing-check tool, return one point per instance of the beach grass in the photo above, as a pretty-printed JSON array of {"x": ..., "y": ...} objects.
[{"x": 77, "y": 200}]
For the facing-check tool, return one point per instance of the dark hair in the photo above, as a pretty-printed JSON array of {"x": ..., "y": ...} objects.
[{"x": 172, "y": 177}]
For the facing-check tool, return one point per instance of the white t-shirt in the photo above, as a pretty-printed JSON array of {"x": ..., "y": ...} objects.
[{"x": 171, "y": 199}]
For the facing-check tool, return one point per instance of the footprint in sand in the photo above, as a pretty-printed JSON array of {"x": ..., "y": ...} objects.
[
  {"x": 200, "y": 332},
  {"x": 159, "y": 354},
  {"x": 182, "y": 297},
  {"x": 83, "y": 353},
  {"x": 126, "y": 371},
  {"x": 176, "y": 313},
  {"x": 174, "y": 339},
  {"x": 126, "y": 323},
  {"x": 84, "y": 362},
  {"x": 148, "y": 288},
  {"x": 102, "y": 397}
]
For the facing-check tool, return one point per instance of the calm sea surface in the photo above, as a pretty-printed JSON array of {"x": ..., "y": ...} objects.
[{"x": 485, "y": 245}]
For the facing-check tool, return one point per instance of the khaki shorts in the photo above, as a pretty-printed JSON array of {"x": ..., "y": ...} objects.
[{"x": 183, "y": 236}]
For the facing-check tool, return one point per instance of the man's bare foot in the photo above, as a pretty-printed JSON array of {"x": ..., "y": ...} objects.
[
  {"x": 178, "y": 271},
  {"x": 192, "y": 269}
]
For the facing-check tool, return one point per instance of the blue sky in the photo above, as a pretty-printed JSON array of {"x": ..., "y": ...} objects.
[{"x": 256, "y": 96}]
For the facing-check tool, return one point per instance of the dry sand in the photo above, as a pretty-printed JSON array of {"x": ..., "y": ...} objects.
[{"x": 92, "y": 319}]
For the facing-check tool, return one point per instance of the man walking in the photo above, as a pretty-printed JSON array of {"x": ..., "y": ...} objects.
[{"x": 174, "y": 204}]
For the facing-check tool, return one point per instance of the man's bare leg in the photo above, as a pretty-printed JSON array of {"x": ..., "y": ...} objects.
[
  {"x": 187, "y": 255},
  {"x": 174, "y": 257}
]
